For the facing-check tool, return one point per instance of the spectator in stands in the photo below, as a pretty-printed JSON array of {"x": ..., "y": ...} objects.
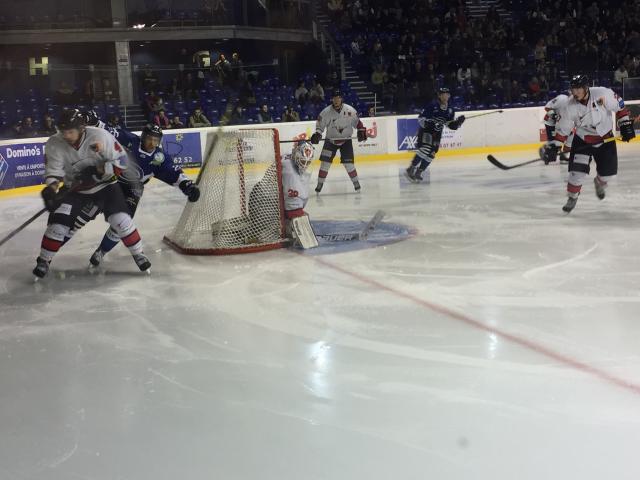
[
  {"x": 264, "y": 116},
  {"x": 223, "y": 69},
  {"x": 149, "y": 80},
  {"x": 464, "y": 75},
  {"x": 316, "y": 94},
  {"x": 162, "y": 120},
  {"x": 357, "y": 46},
  {"x": 176, "y": 122},
  {"x": 534, "y": 88},
  {"x": 88, "y": 94},
  {"x": 48, "y": 126},
  {"x": 237, "y": 69},
  {"x": 27, "y": 128},
  {"x": 371, "y": 111},
  {"x": 198, "y": 120},
  {"x": 290, "y": 115},
  {"x": 237, "y": 116},
  {"x": 335, "y": 9},
  {"x": 620, "y": 74},
  {"x": 378, "y": 78},
  {"x": 301, "y": 94},
  {"x": 154, "y": 103}
]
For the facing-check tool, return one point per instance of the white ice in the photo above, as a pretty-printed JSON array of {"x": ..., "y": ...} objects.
[{"x": 501, "y": 342}]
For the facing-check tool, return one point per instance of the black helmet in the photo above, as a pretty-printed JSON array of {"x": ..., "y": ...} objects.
[
  {"x": 71, "y": 118},
  {"x": 443, "y": 90},
  {"x": 152, "y": 130},
  {"x": 579, "y": 81},
  {"x": 336, "y": 93},
  {"x": 91, "y": 118}
]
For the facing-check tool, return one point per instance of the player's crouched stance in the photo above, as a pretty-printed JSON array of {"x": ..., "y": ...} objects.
[
  {"x": 87, "y": 159},
  {"x": 589, "y": 112},
  {"x": 295, "y": 186},
  {"x": 147, "y": 160}
]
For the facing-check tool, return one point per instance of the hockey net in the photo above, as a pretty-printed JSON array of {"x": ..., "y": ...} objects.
[{"x": 240, "y": 209}]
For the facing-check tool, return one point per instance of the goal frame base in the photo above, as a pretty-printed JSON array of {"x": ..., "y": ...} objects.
[{"x": 227, "y": 251}]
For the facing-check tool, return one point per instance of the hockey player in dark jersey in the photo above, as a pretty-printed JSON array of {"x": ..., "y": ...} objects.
[
  {"x": 147, "y": 159},
  {"x": 432, "y": 121}
]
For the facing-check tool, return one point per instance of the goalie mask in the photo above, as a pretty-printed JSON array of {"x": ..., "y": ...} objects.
[{"x": 302, "y": 154}]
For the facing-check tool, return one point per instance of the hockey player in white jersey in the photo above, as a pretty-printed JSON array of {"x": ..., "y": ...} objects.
[
  {"x": 295, "y": 192},
  {"x": 339, "y": 120},
  {"x": 589, "y": 111},
  {"x": 87, "y": 160},
  {"x": 550, "y": 119},
  {"x": 295, "y": 179}
]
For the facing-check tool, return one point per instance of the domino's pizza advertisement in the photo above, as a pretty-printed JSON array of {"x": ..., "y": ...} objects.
[
  {"x": 184, "y": 148},
  {"x": 21, "y": 165},
  {"x": 407, "y": 136}
]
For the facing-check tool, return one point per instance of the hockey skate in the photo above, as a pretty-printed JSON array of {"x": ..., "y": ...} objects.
[
  {"x": 410, "y": 172},
  {"x": 600, "y": 187},
  {"x": 143, "y": 262},
  {"x": 570, "y": 205},
  {"x": 418, "y": 175},
  {"x": 96, "y": 258},
  {"x": 42, "y": 268},
  {"x": 356, "y": 186},
  {"x": 319, "y": 187}
]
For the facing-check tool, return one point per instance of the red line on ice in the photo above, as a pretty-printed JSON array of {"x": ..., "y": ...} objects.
[{"x": 523, "y": 342}]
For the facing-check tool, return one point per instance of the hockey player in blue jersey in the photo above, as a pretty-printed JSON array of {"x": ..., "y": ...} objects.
[
  {"x": 147, "y": 160},
  {"x": 432, "y": 121}
]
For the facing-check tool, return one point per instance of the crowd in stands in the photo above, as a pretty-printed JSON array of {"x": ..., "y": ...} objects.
[
  {"x": 406, "y": 48},
  {"x": 226, "y": 93}
]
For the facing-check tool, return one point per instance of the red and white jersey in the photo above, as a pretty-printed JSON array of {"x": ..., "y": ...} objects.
[
  {"x": 552, "y": 107},
  {"x": 295, "y": 186},
  {"x": 591, "y": 119},
  {"x": 66, "y": 161},
  {"x": 339, "y": 124}
]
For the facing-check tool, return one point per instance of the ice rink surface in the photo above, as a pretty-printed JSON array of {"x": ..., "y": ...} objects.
[{"x": 501, "y": 341}]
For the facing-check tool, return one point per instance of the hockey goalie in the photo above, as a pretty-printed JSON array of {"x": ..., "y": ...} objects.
[{"x": 295, "y": 190}]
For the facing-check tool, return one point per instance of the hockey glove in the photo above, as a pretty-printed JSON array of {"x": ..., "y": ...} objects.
[
  {"x": 550, "y": 153},
  {"x": 362, "y": 134},
  {"x": 626, "y": 129},
  {"x": 50, "y": 197},
  {"x": 315, "y": 138},
  {"x": 190, "y": 189}
]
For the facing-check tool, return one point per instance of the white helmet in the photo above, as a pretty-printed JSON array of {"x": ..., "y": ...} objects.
[{"x": 302, "y": 154}]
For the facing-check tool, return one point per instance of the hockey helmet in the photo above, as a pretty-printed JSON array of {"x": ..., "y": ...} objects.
[
  {"x": 152, "y": 131},
  {"x": 336, "y": 93},
  {"x": 444, "y": 90},
  {"x": 579, "y": 80},
  {"x": 71, "y": 118},
  {"x": 302, "y": 154},
  {"x": 91, "y": 118}
]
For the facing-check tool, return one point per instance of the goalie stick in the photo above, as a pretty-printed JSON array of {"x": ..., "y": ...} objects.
[{"x": 350, "y": 236}]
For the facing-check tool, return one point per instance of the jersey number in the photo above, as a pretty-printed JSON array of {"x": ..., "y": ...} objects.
[{"x": 292, "y": 193}]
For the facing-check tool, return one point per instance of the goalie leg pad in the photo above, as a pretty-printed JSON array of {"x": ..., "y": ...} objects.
[{"x": 302, "y": 232}]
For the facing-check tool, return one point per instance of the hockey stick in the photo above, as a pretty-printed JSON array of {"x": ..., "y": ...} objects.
[
  {"x": 21, "y": 227},
  {"x": 34, "y": 217},
  {"x": 502, "y": 166},
  {"x": 483, "y": 114}
]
